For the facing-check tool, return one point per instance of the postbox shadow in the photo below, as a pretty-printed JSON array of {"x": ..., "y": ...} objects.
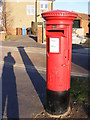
[
  {"x": 9, "y": 89},
  {"x": 37, "y": 80}
]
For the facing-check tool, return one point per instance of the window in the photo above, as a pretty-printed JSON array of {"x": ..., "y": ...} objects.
[
  {"x": 30, "y": 10},
  {"x": 76, "y": 24},
  {"x": 41, "y": 6},
  {"x": 0, "y": 7},
  {"x": 44, "y": 5},
  {"x": 1, "y": 22}
]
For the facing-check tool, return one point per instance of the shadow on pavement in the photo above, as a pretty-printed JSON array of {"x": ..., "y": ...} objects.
[
  {"x": 37, "y": 80},
  {"x": 33, "y": 37},
  {"x": 9, "y": 89}
]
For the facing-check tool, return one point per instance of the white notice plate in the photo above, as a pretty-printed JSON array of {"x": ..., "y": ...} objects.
[{"x": 54, "y": 45}]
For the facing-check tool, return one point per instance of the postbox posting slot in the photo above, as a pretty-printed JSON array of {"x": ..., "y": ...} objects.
[
  {"x": 55, "y": 27},
  {"x": 60, "y": 31},
  {"x": 56, "y": 31}
]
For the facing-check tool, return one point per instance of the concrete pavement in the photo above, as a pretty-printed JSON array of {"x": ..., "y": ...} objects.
[
  {"x": 24, "y": 41},
  {"x": 23, "y": 73},
  {"x": 28, "y": 83}
]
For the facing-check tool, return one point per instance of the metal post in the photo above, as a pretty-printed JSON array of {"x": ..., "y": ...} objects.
[
  {"x": 52, "y": 5},
  {"x": 43, "y": 32},
  {"x": 36, "y": 15},
  {"x": 4, "y": 14}
]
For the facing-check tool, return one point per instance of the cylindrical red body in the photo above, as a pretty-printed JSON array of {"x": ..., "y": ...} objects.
[{"x": 59, "y": 48}]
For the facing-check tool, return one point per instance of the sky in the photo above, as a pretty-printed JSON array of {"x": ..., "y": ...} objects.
[{"x": 80, "y": 6}]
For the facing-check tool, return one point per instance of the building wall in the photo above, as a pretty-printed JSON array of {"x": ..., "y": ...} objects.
[
  {"x": 84, "y": 24},
  {"x": 39, "y": 34},
  {"x": 0, "y": 14},
  {"x": 40, "y": 19},
  {"x": 39, "y": 11},
  {"x": 16, "y": 15}
]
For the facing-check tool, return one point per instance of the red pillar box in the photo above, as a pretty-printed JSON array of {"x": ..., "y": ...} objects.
[{"x": 59, "y": 48}]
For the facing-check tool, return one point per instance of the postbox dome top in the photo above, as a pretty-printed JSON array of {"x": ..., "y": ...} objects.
[{"x": 59, "y": 14}]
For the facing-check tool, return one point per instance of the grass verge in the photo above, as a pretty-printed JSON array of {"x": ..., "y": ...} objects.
[
  {"x": 79, "y": 89},
  {"x": 11, "y": 37}
]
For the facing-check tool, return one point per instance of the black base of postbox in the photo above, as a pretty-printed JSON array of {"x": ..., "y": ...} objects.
[{"x": 57, "y": 102}]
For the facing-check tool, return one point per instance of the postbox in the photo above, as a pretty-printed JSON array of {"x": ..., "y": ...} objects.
[{"x": 59, "y": 48}]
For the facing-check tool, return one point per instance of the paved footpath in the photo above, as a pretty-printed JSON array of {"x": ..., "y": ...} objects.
[
  {"x": 23, "y": 79},
  {"x": 23, "y": 73}
]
